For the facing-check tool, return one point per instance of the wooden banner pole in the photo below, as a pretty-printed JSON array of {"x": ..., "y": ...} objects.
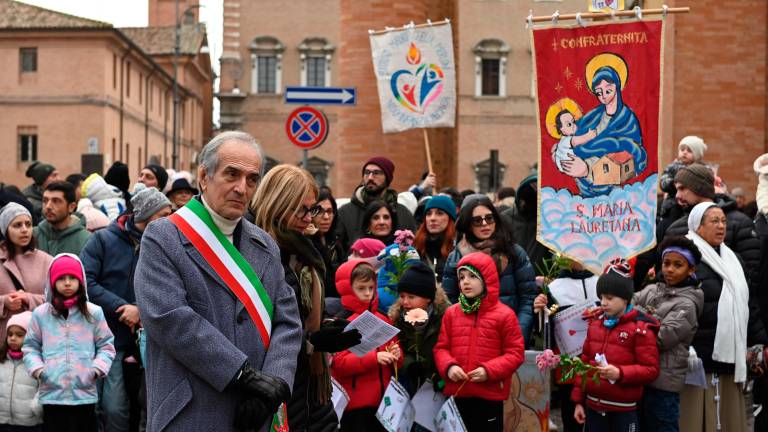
[
  {"x": 426, "y": 148},
  {"x": 564, "y": 17}
]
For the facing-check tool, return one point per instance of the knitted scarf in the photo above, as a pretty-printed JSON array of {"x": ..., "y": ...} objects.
[
  {"x": 469, "y": 305},
  {"x": 307, "y": 263}
]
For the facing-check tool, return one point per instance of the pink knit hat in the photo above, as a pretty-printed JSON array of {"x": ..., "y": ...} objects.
[
  {"x": 66, "y": 265},
  {"x": 367, "y": 247},
  {"x": 21, "y": 320}
]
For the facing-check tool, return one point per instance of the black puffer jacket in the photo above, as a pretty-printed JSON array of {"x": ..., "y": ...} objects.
[
  {"x": 740, "y": 236},
  {"x": 704, "y": 340},
  {"x": 761, "y": 284}
]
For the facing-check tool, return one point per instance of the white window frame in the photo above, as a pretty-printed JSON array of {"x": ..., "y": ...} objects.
[
  {"x": 491, "y": 49},
  {"x": 316, "y": 47},
  {"x": 266, "y": 46}
]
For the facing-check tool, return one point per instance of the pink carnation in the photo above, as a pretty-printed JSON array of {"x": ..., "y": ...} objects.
[{"x": 547, "y": 360}]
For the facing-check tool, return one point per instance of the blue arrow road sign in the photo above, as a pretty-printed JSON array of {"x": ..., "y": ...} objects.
[{"x": 321, "y": 95}]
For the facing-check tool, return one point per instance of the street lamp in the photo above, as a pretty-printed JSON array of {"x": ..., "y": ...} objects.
[{"x": 176, "y": 48}]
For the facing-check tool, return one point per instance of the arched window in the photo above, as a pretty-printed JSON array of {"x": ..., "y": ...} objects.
[
  {"x": 266, "y": 65},
  {"x": 491, "y": 67},
  {"x": 316, "y": 54}
]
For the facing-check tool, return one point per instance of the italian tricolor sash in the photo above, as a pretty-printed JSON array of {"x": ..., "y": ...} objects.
[{"x": 197, "y": 226}]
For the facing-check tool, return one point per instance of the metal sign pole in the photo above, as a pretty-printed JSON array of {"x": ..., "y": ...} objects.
[{"x": 305, "y": 160}]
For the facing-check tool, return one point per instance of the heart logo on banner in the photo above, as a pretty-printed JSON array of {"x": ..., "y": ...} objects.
[
  {"x": 571, "y": 332},
  {"x": 416, "y": 90}
]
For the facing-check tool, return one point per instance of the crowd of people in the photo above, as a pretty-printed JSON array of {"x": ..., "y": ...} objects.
[{"x": 159, "y": 305}]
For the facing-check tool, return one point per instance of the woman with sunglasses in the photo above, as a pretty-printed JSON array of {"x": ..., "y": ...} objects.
[
  {"x": 283, "y": 206},
  {"x": 480, "y": 229}
]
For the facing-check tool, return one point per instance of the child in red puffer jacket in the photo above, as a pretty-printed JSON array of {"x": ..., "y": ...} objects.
[
  {"x": 626, "y": 340},
  {"x": 364, "y": 378},
  {"x": 480, "y": 346}
]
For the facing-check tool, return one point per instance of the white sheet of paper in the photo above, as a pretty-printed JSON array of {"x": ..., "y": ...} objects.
[
  {"x": 396, "y": 412},
  {"x": 339, "y": 398},
  {"x": 374, "y": 331},
  {"x": 571, "y": 329},
  {"x": 427, "y": 404},
  {"x": 602, "y": 361},
  {"x": 449, "y": 419}
]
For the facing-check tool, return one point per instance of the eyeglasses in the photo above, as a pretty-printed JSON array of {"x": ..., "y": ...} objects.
[
  {"x": 313, "y": 211},
  {"x": 375, "y": 173},
  {"x": 480, "y": 220},
  {"x": 325, "y": 212}
]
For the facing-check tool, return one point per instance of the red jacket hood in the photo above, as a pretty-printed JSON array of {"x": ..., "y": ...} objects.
[
  {"x": 344, "y": 286},
  {"x": 487, "y": 267}
]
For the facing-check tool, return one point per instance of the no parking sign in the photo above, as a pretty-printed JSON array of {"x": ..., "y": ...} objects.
[{"x": 307, "y": 127}]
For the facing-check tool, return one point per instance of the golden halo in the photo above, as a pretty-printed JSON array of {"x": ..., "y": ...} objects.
[
  {"x": 607, "y": 59},
  {"x": 554, "y": 109}
]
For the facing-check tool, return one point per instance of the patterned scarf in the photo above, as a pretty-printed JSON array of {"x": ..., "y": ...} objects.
[{"x": 469, "y": 305}]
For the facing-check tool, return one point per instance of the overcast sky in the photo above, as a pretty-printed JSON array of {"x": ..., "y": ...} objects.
[{"x": 133, "y": 13}]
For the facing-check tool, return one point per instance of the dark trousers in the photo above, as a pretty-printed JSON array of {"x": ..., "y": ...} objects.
[
  {"x": 480, "y": 415},
  {"x": 361, "y": 419},
  {"x": 566, "y": 409},
  {"x": 612, "y": 421},
  {"x": 69, "y": 418},
  {"x": 661, "y": 410}
]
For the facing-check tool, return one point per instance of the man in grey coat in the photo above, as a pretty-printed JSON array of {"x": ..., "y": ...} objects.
[{"x": 207, "y": 367}]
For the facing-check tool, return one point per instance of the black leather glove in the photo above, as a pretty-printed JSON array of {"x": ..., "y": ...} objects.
[
  {"x": 270, "y": 391},
  {"x": 250, "y": 414},
  {"x": 334, "y": 339}
]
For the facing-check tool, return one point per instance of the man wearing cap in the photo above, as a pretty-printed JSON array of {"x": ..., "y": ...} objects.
[
  {"x": 63, "y": 230},
  {"x": 109, "y": 259},
  {"x": 153, "y": 175},
  {"x": 377, "y": 173},
  {"x": 181, "y": 192},
  {"x": 222, "y": 326},
  {"x": 42, "y": 174}
]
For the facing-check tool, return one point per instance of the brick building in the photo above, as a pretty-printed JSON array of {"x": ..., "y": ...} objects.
[
  {"x": 72, "y": 86},
  {"x": 270, "y": 44}
]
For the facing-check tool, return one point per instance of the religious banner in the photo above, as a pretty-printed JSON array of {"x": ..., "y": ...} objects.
[
  {"x": 527, "y": 407},
  {"x": 598, "y": 110},
  {"x": 416, "y": 76}
]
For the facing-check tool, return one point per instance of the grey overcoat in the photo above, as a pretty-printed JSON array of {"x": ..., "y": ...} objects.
[{"x": 199, "y": 334}]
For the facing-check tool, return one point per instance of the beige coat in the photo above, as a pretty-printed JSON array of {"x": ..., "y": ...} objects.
[{"x": 30, "y": 270}]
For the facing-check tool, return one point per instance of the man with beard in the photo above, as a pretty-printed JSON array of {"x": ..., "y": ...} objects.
[
  {"x": 42, "y": 174},
  {"x": 377, "y": 176},
  {"x": 63, "y": 230}
]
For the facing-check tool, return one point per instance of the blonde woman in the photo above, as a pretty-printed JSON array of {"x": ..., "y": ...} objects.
[{"x": 284, "y": 205}]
